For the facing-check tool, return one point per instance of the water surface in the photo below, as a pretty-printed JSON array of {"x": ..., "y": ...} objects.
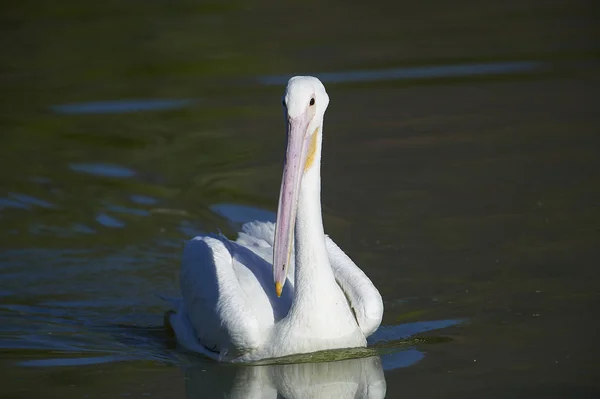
[{"x": 460, "y": 171}]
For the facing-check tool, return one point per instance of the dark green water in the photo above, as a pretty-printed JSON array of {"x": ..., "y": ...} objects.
[{"x": 467, "y": 188}]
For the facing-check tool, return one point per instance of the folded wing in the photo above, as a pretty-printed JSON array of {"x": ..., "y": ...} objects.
[{"x": 217, "y": 307}]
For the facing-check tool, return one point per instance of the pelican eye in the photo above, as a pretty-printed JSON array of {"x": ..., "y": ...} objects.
[{"x": 312, "y": 102}]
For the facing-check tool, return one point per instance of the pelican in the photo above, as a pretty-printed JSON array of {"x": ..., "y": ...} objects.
[{"x": 279, "y": 289}]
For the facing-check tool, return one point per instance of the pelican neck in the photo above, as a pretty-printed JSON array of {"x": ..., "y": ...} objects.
[{"x": 313, "y": 274}]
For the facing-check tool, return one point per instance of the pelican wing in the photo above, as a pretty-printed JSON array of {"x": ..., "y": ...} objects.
[
  {"x": 258, "y": 237},
  {"x": 363, "y": 296},
  {"x": 218, "y": 309}
]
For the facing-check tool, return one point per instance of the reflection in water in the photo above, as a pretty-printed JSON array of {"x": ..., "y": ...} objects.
[
  {"x": 143, "y": 199},
  {"x": 8, "y": 203},
  {"x": 77, "y": 361},
  {"x": 406, "y": 330},
  {"x": 401, "y": 359},
  {"x": 349, "y": 378},
  {"x": 243, "y": 213},
  {"x": 127, "y": 210},
  {"x": 101, "y": 169},
  {"x": 23, "y": 201},
  {"x": 109, "y": 221},
  {"x": 108, "y": 107},
  {"x": 58, "y": 199},
  {"x": 426, "y": 72},
  {"x": 353, "y": 378},
  {"x": 27, "y": 200}
]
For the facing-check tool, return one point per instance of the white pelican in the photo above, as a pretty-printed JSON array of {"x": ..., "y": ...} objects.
[{"x": 230, "y": 310}]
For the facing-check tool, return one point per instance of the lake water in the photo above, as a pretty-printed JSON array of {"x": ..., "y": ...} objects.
[{"x": 460, "y": 171}]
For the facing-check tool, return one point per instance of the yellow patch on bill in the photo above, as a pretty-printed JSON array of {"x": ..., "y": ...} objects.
[
  {"x": 278, "y": 289},
  {"x": 312, "y": 150}
]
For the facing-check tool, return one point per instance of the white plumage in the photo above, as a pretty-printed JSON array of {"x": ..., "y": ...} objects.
[{"x": 230, "y": 309}]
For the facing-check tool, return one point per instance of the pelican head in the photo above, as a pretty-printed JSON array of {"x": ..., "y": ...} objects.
[{"x": 304, "y": 102}]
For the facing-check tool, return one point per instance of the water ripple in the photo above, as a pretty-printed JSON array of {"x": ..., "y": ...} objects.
[
  {"x": 101, "y": 169},
  {"x": 8, "y": 203},
  {"x": 109, "y": 221},
  {"x": 242, "y": 213},
  {"x": 27, "y": 199},
  {"x": 401, "y": 359},
  {"x": 143, "y": 199},
  {"x": 403, "y": 331},
  {"x": 131, "y": 211},
  {"x": 121, "y": 106},
  {"x": 77, "y": 361},
  {"x": 424, "y": 72}
]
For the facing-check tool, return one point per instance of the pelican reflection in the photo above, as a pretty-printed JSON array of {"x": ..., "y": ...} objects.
[{"x": 351, "y": 378}]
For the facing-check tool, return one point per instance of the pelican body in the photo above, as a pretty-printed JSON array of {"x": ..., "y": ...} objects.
[{"x": 284, "y": 288}]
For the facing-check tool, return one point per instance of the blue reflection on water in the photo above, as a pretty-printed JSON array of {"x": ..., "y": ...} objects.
[
  {"x": 78, "y": 361},
  {"x": 425, "y": 72},
  {"x": 28, "y": 199},
  {"x": 189, "y": 230},
  {"x": 82, "y": 228},
  {"x": 40, "y": 180},
  {"x": 401, "y": 359},
  {"x": 23, "y": 201},
  {"x": 121, "y": 106},
  {"x": 101, "y": 169},
  {"x": 242, "y": 213},
  {"x": 109, "y": 221},
  {"x": 143, "y": 199},
  {"x": 131, "y": 211},
  {"x": 7, "y": 203},
  {"x": 406, "y": 330}
]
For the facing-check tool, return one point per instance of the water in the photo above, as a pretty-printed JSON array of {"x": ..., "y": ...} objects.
[{"x": 460, "y": 171}]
